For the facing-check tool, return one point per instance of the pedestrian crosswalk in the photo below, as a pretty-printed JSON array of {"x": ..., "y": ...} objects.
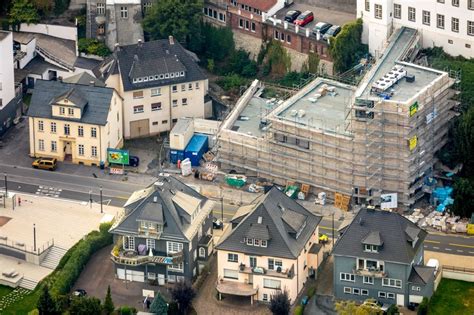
[{"x": 49, "y": 191}]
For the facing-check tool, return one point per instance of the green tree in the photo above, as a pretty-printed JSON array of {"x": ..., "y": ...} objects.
[
  {"x": 313, "y": 63},
  {"x": 60, "y": 6},
  {"x": 85, "y": 306},
  {"x": 346, "y": 48},
  {"x": 393, "y": 310},
  {"x": 179, "y": 18},
  {"x": 218, "y": 42},
  {"x": 346, "y": 307},
  {"x": 423, "y": 307},
  {"x": 280, "y": 303},
  {"x": 46, "y": 304},
  {"x": 463, "y": 193},
  {"x": 158, "y": 306},
  {"x": 22, "y": 11},
  {"x": 108, "y": 306},
  {"x": 464, "y": 141},
  {"x": 278, "y": 59},
  {"x": 183, "y": 293}
]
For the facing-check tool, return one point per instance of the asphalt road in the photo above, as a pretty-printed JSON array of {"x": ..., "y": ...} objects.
[{"x": 115, "y": 192}]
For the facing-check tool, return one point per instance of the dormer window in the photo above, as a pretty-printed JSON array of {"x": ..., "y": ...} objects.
[
  {"x": 140, "y": 79},
  {"x": 182, "y": 73},
  {"x": 264, "y": 244},
  {"x": 162, "y": 76},
  {"x": 371, "y": 248},
  {"x": 62, "y": 111},
  {"x": 70, "y": 111},
  {"x": 167, "y": 75},
  {"x": 250, "y": 241},
  {"x": 145, "y": 79},
  {"x": 171, "y": 75}
]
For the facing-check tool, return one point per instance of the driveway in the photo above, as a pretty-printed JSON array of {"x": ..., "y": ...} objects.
[
  {"x": 99, "y": 273},
  {"x": 206, "y": 301}
]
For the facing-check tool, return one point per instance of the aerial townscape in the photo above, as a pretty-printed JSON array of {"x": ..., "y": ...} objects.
[{"x": 236, "y": 157}]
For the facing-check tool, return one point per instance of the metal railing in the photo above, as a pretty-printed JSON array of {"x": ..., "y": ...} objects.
[
  {"x": 20, "y": 246},
  {"x": 458, "y": 269}
]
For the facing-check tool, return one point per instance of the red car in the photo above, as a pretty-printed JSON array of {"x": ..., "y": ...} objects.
[{"x": 305, "y": 18}]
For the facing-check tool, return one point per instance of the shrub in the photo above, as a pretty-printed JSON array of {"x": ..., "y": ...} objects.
[
  {"x": 423, "y": 307},
  {"x": 311, "y": 292},
  {"x": 232, "y": 82},
  {"x": 299, "y": 310},
  {"x": 93, "y": 47},
  {"x": 393, "y": 310}
]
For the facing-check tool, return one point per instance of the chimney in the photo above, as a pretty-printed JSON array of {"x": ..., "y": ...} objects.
[
  {"x": 139, "y": 42},
  {"x": 91, "y": 83},
  {"x": 117, "y": 47},
  {"x": 171, "y": 39}
]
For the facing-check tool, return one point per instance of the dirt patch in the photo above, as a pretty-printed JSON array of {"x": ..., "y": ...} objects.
[{"x": 4, "y": 220}]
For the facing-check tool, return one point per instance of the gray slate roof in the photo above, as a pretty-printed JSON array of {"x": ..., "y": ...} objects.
[
  {"x": 258, "y": 231},
  {"x": 293, "y": 219},
  {"x": 73, "y": 95},
  {"x": 95, "y": 113},
  {"x": 152, "y": 58},
  {"x": 373, "y": 238},
  {"x": 164, "y": 209},
  {"x": 421, "y": 275},
  {"x": 391, "y": 226},
  {"x": 84, "y": 78},
  {"x": 281, "y": 243}
]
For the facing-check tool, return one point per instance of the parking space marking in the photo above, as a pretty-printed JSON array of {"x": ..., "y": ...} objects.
[
  {"x": 48, "y": 191},
  {"x": 459, "y": 250}
]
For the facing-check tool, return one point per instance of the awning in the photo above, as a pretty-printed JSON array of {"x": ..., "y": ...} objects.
[{"x": 236, "y": 288}]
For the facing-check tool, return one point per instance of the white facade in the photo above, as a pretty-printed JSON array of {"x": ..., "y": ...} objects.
[
  {"x": 7, "y": 76},
  {"x": 441, "y": 23}
]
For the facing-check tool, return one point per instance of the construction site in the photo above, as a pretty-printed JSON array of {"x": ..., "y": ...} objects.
[{"x": 356, "y": 143}]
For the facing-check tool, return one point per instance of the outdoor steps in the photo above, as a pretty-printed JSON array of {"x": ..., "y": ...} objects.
[
  {"x": 52, "y": 258},
  {"x": 28, "y": 284}
]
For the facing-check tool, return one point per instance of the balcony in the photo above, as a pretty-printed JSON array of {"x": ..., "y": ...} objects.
[
  {"x": 284, "y": 273},
  {"x": 370, "y": 272},
  {"x": 133, "y": 258},
  {"x": 150, "y": 233}
]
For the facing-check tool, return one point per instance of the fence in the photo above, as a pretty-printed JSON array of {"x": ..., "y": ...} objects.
[{"x": 458, "y": 273}]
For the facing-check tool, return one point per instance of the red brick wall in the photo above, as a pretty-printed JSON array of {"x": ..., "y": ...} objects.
[{"x": 248, "y": 20}]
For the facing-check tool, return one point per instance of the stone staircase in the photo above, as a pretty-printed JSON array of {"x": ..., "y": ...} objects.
[
  {"x": 28, "y": 284},
  {"x": 52, "y": 258}
]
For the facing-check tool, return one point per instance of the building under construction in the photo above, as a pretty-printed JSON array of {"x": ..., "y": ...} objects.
[{"x": 364, "y": 141}]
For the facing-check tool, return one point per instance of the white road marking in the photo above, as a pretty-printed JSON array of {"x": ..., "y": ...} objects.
[
  {"x": 435, "y": 247},
  {"x": 448, "y": 249},
  {"x": 471, "y": 252},
  {"x": 459, "y": 250}
]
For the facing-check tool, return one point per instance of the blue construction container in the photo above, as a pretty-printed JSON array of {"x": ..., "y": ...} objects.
[
  {"x": 197, "y": 146},
  {"x": 176, "y": 155}
]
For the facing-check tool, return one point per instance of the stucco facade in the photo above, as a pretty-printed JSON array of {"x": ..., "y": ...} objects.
[
  {"x": 7, "y": 84},
  {"x": 65, "y": 136}
]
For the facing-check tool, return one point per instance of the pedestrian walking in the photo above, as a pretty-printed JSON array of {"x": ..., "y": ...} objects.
[{"x": 19, "y": 201}]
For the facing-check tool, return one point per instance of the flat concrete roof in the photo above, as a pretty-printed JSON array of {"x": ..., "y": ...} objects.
[
  {"x": 3, "y": 35},
  {"x": 249, "y": 120},
  {"x": 402, "y": 90},
  {"x": 327, "y": 113}
]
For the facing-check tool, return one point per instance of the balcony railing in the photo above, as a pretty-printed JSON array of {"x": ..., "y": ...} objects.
[
  {"x": 284, "y": 273},
  {"x": 370, "y": 272},
  {"x": 131, "y": 258}
]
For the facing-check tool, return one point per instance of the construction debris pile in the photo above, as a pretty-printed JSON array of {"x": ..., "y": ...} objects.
[{"x": 439, "y": 221}]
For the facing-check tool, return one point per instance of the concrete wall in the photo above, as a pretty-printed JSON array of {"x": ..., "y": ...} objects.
[
  {"x": 7, "y": 78},
  {"x": 60, "y": 31},
  {"x": 458, "y": 275}
]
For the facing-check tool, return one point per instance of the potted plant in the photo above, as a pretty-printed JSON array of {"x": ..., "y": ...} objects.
[{"x": 242, "y": 266}]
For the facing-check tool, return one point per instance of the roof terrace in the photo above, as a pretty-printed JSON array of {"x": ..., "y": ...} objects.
[{"x": 323, "y": 104}]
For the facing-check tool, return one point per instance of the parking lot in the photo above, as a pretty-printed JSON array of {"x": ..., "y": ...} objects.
[{"x": 321, "y": 14}]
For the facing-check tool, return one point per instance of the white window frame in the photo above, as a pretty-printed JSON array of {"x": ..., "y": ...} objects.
[
  {"x": 345, "y": 276},
  {"x": 53, "y": 127},
  {"x": 378, "y": 11},
  {"x": 231, "y": 274},
  {"x": 202, "y": 252},
  {"x": 367, "y": 5},
  {"x": 440, "y": 21},
  {"x": 124, "y": 12},
  {"x": 470, "y": 4},
  {"x": 138, "y": 109},
  {"x": 271, "y": 284},
  {"x": 232, "y": 257},
  {"x": 392, "y": 283},
  {"x": 80, "y": 131},
  {"x": 347, "y": 290},
  {"x": 356, "y": 291},
  {"x": 368, "y": 280},
  {"x": 67, "y": 129},
  {"x": 426, "y": 17},
  {"x": 415, "y": 288},
  {"x": 150, "y": 243},
  {"x": 93, "y": 132},
  {"x": 250, "y": 241},
  {"x": 397, "y": 11},
  {"x": 391, "y": 295},
  {"x": 173, "y": 247},
  {"x": 40, "y": 145},
  {"x": 364, "y": 292},
  {"x": 80, "y": 149},
  {"x": 54, "y": 146},
  {"x": 263, "y": 244},
  {"x": 382, "y": 295},
  {"x": 470, "y": 28},
  {"x": 411, "y": 14},
  {"x": 40, "y": 125},
  {"x": 94, "y": 151},
  {"x": 265, "y": 297},
  {"x": 455, "y": 25},
  {"x": 100, "y": 8}
]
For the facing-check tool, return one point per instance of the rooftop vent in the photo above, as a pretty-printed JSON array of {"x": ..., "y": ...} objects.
[
  {"x": 155, "y": 199},
  {"x": 171, "y": 40},
  {"x": 259, "y": 220},
  {"x": 410, "y": 78},
  {"x": 281, "y": 207}
]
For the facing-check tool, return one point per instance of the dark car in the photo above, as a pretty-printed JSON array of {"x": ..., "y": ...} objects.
[
  {"x": 321, "y": 28},
  {"x": 217, "y": 224},
  {"x": 79, "y": 292},
  {"x": 292, "y": 15},
  {"x": 305, "y": 18},
  {"x": 332, "y": 31},
  {"x": 134, "y": 161}
]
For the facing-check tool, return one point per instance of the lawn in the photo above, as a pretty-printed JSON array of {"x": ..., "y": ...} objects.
[
  {"x": 453, "y": 297},
  {"x": 5, "y": 290}
]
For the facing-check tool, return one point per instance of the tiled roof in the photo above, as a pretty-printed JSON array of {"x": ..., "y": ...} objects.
[
  {"x": 373, "y": 238},
  {"x": 391, "y": 227},
  {"x": 268, "y": 213},
  {"x": 155, "y": 58},
  {"x": 98, "y": 101},
  {"x": 156, "y": 204},
  {"x": 262, "y": 5}
]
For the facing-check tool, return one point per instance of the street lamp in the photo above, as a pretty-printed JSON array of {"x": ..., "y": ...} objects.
[
  {"x": 34, "y": 237},
  {"x": 6, "y": 185},
  {"x": 222, "y": 207},
  {"x": 101, "y": 206}
]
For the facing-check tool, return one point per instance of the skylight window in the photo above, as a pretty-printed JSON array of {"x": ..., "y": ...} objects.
[
  {"x": 182, "y": 73},
  {"x": 171, "y": 75},
  {"x": 167, "y": 76}
]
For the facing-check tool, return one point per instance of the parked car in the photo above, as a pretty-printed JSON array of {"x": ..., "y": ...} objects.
[
  {"x": 305, "y": 18},
  {"x": 217, "y": 224},
  {"x": 45, "y": 164},
  {"x": 332, "y": 31},
  {"x": 292, "y": 15},
  {"x": 321, "y": 28},
  {"x": 134, "y": 161},
  {"x": 377, "y": 306},
  {"x": 79, "y": 292}
]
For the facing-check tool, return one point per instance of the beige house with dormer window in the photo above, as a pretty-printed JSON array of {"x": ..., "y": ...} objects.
[
  {"x": 269, "y": 246},
  {"x": 74, "y": 122}
]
